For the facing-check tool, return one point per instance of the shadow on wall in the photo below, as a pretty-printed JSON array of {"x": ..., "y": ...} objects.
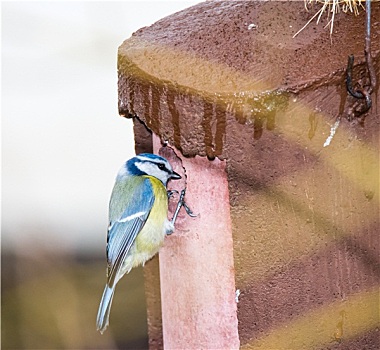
[{"x": 50, "y": 301}]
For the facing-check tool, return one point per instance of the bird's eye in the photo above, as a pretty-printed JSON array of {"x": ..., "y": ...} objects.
[{"x": 161, "y": 166}]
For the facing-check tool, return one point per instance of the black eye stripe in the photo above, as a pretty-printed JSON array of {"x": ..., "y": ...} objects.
[
  {"x": 163, "y": 167},
  {"x": 160, "y": 166}
]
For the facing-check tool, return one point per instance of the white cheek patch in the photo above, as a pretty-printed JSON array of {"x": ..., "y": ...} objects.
[
  {"x": 147, "y": 168},
  {"x": 133, "y": 216}
]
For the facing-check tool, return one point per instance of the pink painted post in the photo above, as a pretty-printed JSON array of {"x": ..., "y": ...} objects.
[
  {"x": 196, "y": 264},
  {"x": 304, "y": 199}
]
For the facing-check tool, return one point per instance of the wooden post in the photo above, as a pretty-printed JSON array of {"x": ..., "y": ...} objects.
[{"x": 196, "y": 264}]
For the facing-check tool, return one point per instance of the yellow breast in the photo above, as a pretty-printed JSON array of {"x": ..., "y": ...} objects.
[{"x": 151, "y": 237}]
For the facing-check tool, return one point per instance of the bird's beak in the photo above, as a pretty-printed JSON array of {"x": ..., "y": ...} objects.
[{"x": 175, "y": 176}]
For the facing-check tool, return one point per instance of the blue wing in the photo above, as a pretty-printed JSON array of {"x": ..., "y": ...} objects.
[{"x": 125, "y": 227}]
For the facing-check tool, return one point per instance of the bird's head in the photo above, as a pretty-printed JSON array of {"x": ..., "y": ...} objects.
[{"x": 150, "y": 164}]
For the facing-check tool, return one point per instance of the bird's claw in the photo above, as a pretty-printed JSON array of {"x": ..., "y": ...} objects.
[
  {"x": 188, "y": 210},
  {"x": 171, "y": 192},
  {"x": 182, "y": 203}
]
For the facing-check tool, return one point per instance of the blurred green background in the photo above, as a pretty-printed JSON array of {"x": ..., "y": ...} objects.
[
  {"x": 62, "y": 145},
  {"x": 50, "y": 301}
]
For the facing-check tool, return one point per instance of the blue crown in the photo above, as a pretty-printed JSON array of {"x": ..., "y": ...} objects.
[{"x": 151, "y": 156}]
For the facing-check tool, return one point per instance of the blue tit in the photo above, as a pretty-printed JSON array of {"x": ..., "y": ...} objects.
[{"x": 138, "y": 222}]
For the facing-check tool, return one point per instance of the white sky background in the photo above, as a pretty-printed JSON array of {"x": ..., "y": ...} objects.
[{"x": 62, "y": 138}]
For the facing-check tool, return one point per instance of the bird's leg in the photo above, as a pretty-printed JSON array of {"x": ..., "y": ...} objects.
[{"x": 181, "y": 203}]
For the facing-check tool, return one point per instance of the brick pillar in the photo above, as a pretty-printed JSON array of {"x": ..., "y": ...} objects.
[{"x": 249, "y": 109}]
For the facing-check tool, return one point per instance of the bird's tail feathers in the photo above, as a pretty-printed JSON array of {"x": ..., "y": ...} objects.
[{"x": 102, "y": 320}]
